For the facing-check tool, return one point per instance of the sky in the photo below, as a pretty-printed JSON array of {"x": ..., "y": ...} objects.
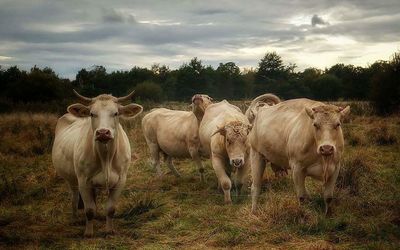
[{"x": 70, "y": 35}]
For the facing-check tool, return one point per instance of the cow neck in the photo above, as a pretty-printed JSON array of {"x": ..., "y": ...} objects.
[
  {"x": 105, "y": 154},
  {"x": 199, "y": 115}
]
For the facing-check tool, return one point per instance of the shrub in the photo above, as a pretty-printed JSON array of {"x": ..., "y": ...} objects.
[
  {"x": 382, "y": 134},
  {"x": 149, "y": 91},
  {"x": 354, "y": 167}
]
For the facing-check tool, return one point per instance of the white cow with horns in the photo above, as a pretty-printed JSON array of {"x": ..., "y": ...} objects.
[{"x": 91, "y": 150}]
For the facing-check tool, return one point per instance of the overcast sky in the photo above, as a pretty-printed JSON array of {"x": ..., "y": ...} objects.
[{"x": 70, "y": 35}]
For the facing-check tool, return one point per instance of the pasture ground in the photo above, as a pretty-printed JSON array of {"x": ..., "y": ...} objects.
[{"x": 170, "y": 213}]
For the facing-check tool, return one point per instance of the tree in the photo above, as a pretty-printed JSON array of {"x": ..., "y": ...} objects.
[
  {"x": 149, "y": 91},
  {"x": 228, "y": 81},
  {"x": 190, "y": 79},
  {"x": 326, "y": 87},
  {"x": 385, "y": 85}
]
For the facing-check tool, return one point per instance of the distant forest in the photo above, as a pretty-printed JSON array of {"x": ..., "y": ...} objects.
[{"x": 44, "y": 89}]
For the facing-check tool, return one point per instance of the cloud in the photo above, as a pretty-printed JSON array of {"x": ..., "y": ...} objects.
[
  {"x": 316, "y": 20},
  {"x": 68, "y": 35},
  {"x": 115, "y": 16}
]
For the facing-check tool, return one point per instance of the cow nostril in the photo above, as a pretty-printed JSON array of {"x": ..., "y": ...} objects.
[
  {"x": 326, "y": 149},
  {"x": 237, "y": 162},
  {"x": 103, "y": 132}
]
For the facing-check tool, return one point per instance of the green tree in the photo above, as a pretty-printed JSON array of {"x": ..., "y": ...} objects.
[
  {"x": 149, "y": 91},
  {"x": 385, "y": 85},
  {"x": 190, "y": 80}
]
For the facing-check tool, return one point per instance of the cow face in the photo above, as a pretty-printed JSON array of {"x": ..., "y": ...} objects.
[
  {"x": 235, "y": 134},
  {"x": 104, "y": 113},
  {"x": 326, "y": 121},
  {"x": 200, "y": 103}
]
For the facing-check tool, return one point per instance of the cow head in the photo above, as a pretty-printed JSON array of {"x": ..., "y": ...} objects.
[
  {"x": 200, "y": 102},
  {"x": 235, "y": 135},
  {"x": 326, "y": 121},
  {"x": 104, "y": 112}
]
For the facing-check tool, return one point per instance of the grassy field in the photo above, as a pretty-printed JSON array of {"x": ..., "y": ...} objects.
[{"x": 173, "y": 213}]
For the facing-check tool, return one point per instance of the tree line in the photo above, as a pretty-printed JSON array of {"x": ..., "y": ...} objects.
[{"x": 378, "y": 83}]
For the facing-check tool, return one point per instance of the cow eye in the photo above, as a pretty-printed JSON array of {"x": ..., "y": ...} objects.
[
  {"x": 316, "y": 125},
  {"x": 91, "y": 114},
  {"x": 116, "y": 114},
  {"x": 337, "y": 125}
]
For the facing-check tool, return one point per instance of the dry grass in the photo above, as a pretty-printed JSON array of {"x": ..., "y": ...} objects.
[{"x": 173, "y": 213}]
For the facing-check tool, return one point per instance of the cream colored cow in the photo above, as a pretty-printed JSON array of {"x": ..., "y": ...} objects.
[
  {"x": 91, "y": 150},
  {"x": 175, "y": 133},
  {"x": 300, "y": 134},
  {"x": 251, "y": 112},
  {"x": 260, "y": 101},
  {"x": 223, "y": 136}
]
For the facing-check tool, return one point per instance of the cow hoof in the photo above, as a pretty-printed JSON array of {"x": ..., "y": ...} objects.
[
  {"x": 88, "y": 234},
  {"x": 229, "y": 202}
]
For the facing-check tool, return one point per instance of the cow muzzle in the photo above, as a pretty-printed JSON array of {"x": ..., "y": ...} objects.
[
  {"x": 197, "y": 100},
  {"x": 326, "y": 150},
  {"x": 103, "y": 135},
  {"x": 237, "y": 162}
]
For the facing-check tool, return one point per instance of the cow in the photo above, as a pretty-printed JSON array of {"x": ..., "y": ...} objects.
[
  {"x": 260, "y": 101},
  {"x": 251, "y": 112},
  {"x": 175, "y": 133},
  {"x": 223, "y": 136},
  {"x": 303, "y": 135},
  {"x": 91, "y": 151}
]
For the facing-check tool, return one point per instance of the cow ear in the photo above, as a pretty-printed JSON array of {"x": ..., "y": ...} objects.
[
  {"x": 345, "y": 111},
  {"x": 310, "y": 112},
  {"x": 130, "y": 110},
  {"x": 79, "y": 110},
  {"x": 221, "y": 131}
]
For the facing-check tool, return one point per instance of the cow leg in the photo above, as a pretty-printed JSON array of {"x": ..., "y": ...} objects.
[
  {"x": 299, "y": 177},
  {"x": 155, "y": 157},
  {"x": 172, "y": 167},
  {"x": 86, "y": 192},
  {"x": 223, "y": 179},
  {"x": 113, "y": 196},
  {"x": 257, "y": 171},
  {"x": 194, "y": 153},
  {"x": 241, "y": 176},
  {"x": 74, "y": 201},
  {"x": 328, "y": 191}
]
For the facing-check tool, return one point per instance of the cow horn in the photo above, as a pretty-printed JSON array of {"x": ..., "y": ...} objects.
[
  {"x": 83, "y": 98},
  {"x": 125, "y": 98}
]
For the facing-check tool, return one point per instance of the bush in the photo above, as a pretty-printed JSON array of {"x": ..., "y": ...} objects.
[
  {"x": 149, "y": 91},
  {"x": 354, "y": 167},
  {"x": 381, "y": 134}
]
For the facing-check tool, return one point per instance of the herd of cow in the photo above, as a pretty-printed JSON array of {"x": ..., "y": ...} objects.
[{"x": 91, "y": 149}]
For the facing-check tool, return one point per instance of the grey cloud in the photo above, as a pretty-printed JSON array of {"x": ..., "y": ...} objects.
[
  {"x": 72, "y": 34},
  {"x": 316, "y": 20},
  {"x": 114, "y": 16}
]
